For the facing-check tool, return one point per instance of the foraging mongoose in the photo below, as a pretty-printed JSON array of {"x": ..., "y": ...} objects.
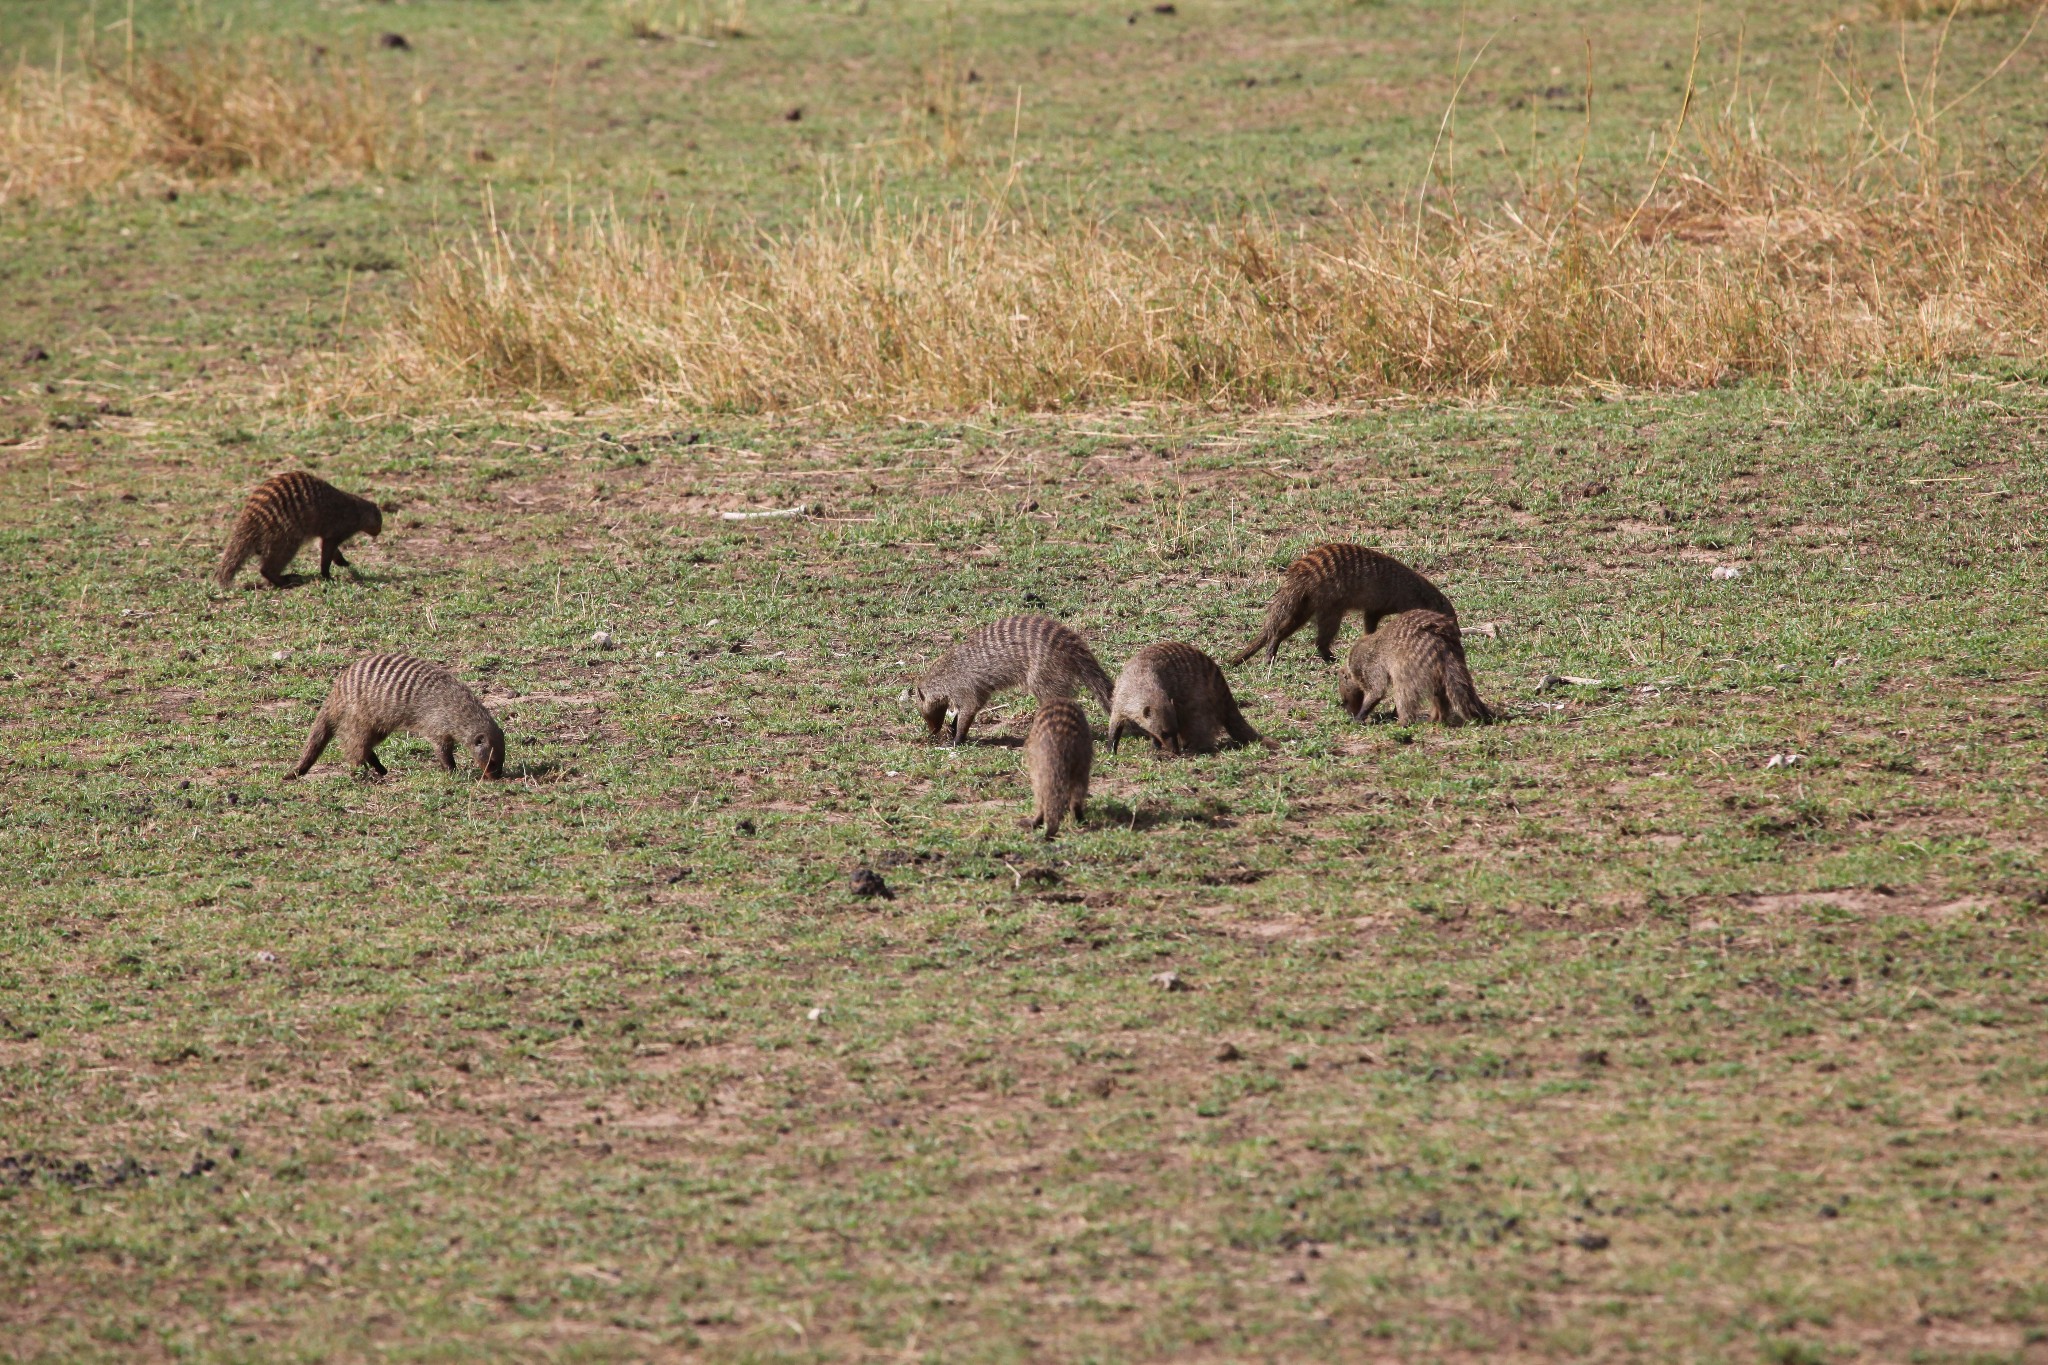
[
  {"x": 373, "y": 697},
  {"x": 1419, "y": 658},
  {"x": 1177, "y": 696},
  {"x": 1036, "y": 653},
  {"x": 287, "y": 511},
  {"x": 1333, "y": 579},
  {"x": 1057, "y": 756}
]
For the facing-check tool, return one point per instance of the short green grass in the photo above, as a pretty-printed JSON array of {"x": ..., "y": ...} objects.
[{"x": 1587, "y": 1035}]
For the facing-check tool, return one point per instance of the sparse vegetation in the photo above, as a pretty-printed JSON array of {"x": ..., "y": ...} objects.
[{"x": 1693, "y": 1012}]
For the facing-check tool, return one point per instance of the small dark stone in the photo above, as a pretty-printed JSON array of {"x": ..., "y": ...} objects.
[
  {"x": 973, "y": 76},
  {"x": 795, "y": 115},
  {"x": 867, "y": 884},
  {"x": 1164, "y": 9},
  {"x": 1830, "y": 1211},
  {"x": 394, "y": 41},
  {"x": 170, "y": 196},
  {"x": 69, "y": 421},
  {"x": 35, "y": 355},
  {"x": 1229, "y": 1053},
  {"x": 1133, "y": 19},
  {"x": 744, "y": 825},
  {"x": 1593, "y": 1241},
  {"x": 1593, "y": 1056}
]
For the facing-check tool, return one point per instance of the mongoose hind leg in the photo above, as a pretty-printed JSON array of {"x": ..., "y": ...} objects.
[
  {"x": 362, "y": 750},
  {"x": 275, "y": 562},
  {"x": 1328, "y": 623}
]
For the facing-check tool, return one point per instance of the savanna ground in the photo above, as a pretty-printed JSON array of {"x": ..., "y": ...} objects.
[{"x": 1593, "y": 1034}]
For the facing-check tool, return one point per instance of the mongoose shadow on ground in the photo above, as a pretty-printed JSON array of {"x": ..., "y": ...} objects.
[
  {"x": 419, "y": 760},
  {"x": 1155, "y": 814}
]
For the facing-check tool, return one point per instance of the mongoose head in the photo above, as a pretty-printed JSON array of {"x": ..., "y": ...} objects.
[
  {"x": 1151, "y": 712},
  {"x": 487, "y": 743},
  {"x": 932, "y": 708},
  {"x": 373, "y": 519},
  {"x": 1349, "y": 694}
]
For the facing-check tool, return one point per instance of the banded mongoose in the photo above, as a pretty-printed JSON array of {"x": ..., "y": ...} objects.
[
  {"x": 1419, "y": 658},
  {"x": 1058, "y": 753},
  {"x": 287, "y": 511},
  {"x": 373, "y": 697},
  {"x": 1176, "y": 696},
  {"x": 1334, "y": 579},
  {"x": 1036, "y": 653}
]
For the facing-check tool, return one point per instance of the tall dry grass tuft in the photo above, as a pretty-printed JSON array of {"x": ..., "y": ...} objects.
[
  {"x": 1732, "y": 261},
  {"x": 1739, "y": 267},
  {"x": 180, "y": 117}
]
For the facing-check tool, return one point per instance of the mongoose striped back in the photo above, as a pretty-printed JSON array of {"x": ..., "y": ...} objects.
[
  {"x": 1417, "y": 657},
  {"x": 1176, "y": 694},
  {"x": 286, "y": 511},
  {"x": 1058, "y": 754},
  {"x": 1036, "y": 653},
  {"x": 374, "y": 697},
  {"x": 1332, "y": 580}
]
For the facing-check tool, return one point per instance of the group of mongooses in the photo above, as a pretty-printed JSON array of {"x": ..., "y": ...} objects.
[
  {"x": 372, "y": 698},
  {"x": 1172, "y": 693},
  {"x": 1177, "y": 696}
]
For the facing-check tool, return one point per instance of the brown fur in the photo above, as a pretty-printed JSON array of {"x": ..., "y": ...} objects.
[
  {"x": 1332, "y": 580},
  {"x": 1418, "y": 658},
  {"x": 1176, "y": 696},
  {"x": 1058, "y": 754},
  {"x": 374, "y": 697},
  {"x": 287, "y": 511},
  {"x": 1036, "y": 653}
]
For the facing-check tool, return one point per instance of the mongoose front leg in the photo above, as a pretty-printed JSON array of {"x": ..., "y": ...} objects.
[
  {"x": 1368, "y": 700},
  {"x": 444, "y": 749},
  {"x": 963, "y": 717}
]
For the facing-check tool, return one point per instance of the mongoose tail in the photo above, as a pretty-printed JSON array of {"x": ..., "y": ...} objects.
[
  {"x": 1283, "y": 618},
  {"x": 241, "y": 544},
  {"x": 316, "y": 743},
  {"x": 1459, "y": 702}
]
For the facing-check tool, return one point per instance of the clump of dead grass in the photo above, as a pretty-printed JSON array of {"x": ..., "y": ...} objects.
[
  {"x": 181, "y": 117},
  {"x": 1737, "y": 265}
]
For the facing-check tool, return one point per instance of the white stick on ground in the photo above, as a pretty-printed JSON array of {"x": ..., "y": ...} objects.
[{"x": 795, "y": 511}]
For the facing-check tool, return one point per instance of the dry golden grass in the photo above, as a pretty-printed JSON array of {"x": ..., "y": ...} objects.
[
  {"x": 1739, "y": 265},
  {"x": 185, "y": 116}
]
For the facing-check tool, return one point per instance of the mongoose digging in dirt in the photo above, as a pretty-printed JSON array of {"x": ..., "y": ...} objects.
[
  {"x": 1036, "y": 653},
  {"x": 1332, "y": 580},
  {"x": 1058, "y": 753},
  {"x": 1176, "y": 695},
  {"x": 1418, "y": 658},
  {"x": 375, "y": 697},
  {"x": 287, "y": 511}
]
